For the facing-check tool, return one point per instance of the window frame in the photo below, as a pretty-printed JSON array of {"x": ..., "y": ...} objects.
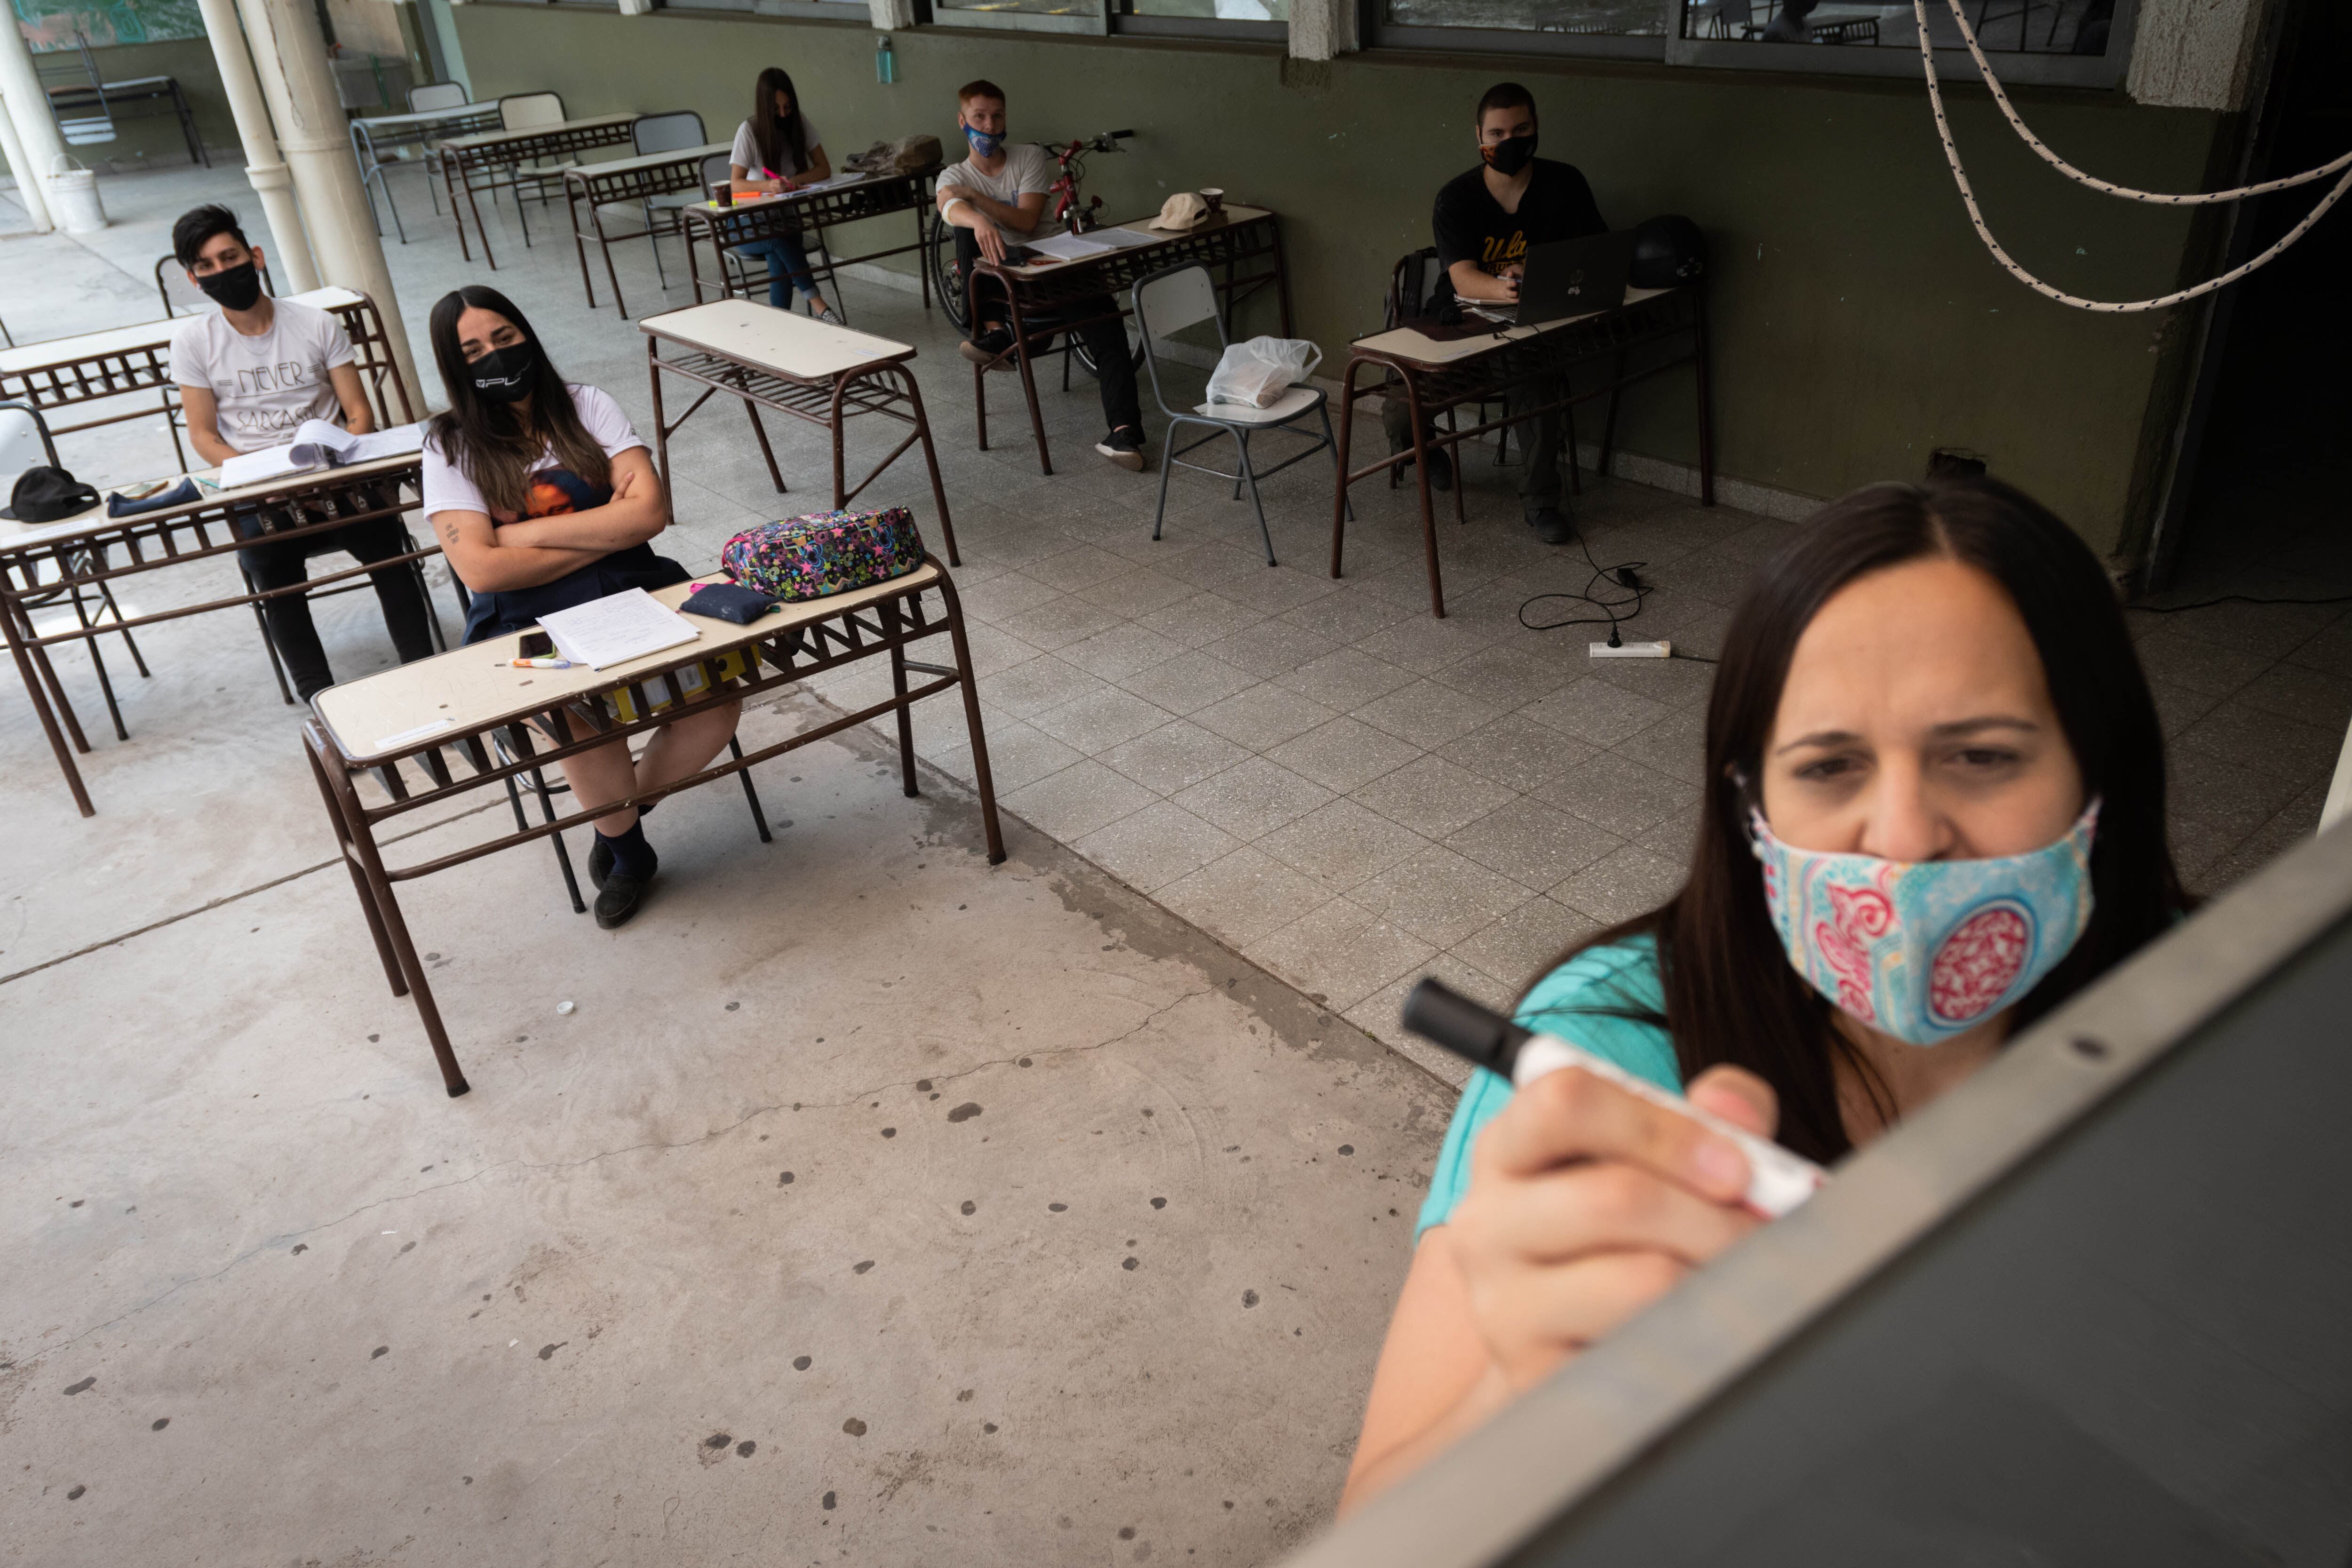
[
  {"x": 1128, "y": 25},
  {"x": 1378, "y": 33},
  {"x": 2015, "y": 68},
  {"x": 1094, "y": 23}
]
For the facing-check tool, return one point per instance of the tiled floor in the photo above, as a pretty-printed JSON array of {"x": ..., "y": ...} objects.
[{"x": 1318, "y": 773}]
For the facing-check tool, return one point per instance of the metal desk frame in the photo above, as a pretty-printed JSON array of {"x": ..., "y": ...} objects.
[
  {"x": 806, "y": 639},
  {"x": 1430, "y": 388},
  {"x": 884, "y": 386},
  {"x": 748, "y": 222},
  {"x": 68, "y": 372},
  {"x": 79, "y": 552},
  {"x": 622, "y": 180},
  {"x": 374, "y": 134},
  {"x": 463, "y": 157},
  {"x": 1225, "y": 246}
]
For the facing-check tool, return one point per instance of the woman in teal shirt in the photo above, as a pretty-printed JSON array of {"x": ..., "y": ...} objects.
[{"x": 1934, "y": 811}]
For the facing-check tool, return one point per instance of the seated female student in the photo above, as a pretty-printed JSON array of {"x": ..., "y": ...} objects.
[
  {"x": 1927, "y": 705},
  {"x": 544, "y": 498},
  {"x": 778, "y": 149}
]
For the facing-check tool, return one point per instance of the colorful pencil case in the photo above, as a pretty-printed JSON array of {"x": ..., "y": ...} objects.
[{"x": 824, "y": 553}]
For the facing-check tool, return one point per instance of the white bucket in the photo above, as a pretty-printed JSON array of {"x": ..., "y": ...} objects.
[{"x": 73, "y": 196}]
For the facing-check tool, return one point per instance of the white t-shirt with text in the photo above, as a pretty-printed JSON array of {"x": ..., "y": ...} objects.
[
  {"x": 747, "y": 151},
  {"x": 1028, "y": 170},
  {"x": 448, "y": 490},
  {"x": 265, "y": 386}
]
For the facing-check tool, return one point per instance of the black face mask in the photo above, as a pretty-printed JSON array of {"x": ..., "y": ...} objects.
[
  {"x": 234, "y": 288},
  {"x": 505, "y": 375},
  {"x": 1506, "y": 158}
]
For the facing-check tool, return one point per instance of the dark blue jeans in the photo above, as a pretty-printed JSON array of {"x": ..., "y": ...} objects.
[{"x": 788, "y": 269}]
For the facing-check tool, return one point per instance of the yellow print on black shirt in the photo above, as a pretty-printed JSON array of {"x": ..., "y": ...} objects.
[{"x": 1496, "y": 253}]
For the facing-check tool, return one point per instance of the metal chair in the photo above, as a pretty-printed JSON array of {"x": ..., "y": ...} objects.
[
  {"x": 669, "y": 132},
  {"x": 1167, "y": 302},
  {"x": 528, "y": 111},
  {"x": 327, "y": 544},
  {"x": 715, "y": 169},
  {"x": 513, "y": 743},
  {"x": 181, "y": 297},
  {"x": 86, "y": 129},
  {"x": 1413, "y": 283},
  {"x": 25, "y": 443},
  {"x": 432, "y": 95}
]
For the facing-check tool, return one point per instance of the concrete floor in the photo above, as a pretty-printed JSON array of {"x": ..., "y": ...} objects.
[{"x": 593, "y": 1352}]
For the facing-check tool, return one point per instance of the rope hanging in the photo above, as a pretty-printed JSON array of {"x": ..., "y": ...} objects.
[{"x": 1976, "y": 218}]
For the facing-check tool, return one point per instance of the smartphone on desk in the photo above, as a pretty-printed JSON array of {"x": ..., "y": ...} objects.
[{"x": 536, "y": 645}]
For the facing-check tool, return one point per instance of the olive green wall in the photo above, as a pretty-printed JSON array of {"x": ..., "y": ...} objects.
[{"x": 1858, "y": 321}]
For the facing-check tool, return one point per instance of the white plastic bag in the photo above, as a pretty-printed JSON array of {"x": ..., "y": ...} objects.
[{"x": 1256, "y": 371}]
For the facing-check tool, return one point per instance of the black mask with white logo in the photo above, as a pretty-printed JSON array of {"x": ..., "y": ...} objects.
[
  {"x": 233, "y": 288},
  {"x": 505, "y": 375},
  {"x": 1508, "y": 157}
]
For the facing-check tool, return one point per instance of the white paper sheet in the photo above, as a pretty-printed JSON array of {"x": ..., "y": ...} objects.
[
  {"x": 617, "y": 628},
  {"x": 1069, "y": 248}
]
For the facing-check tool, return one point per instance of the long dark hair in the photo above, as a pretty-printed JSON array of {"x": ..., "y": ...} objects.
[
  {"x": 488, "y": 441},
  {"x": 774, "y": 136},
  {"x": 1731, "y": 992}
]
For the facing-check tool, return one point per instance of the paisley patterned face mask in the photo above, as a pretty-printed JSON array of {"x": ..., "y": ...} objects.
[{"x": 1924, "y": 950}]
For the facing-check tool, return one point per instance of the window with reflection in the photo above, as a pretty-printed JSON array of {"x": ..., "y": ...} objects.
[
  {"x": 1210, "y": 10},
  {"x": 1603, "y": 19},
  {"x": 2001, "y": 27}
]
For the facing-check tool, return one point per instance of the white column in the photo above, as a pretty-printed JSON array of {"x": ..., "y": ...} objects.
[
  {"x": 289, "y": 248},
  {"x": 28, "y": 183},
  {"x": 28, "y": 105},
  {"x": 289, "y": 55},
  {"x": 891, "y": 16},
  {"x": 1322, "y": 29}
]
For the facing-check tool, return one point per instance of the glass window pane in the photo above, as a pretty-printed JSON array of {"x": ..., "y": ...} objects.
[
  {"x": 2002, "y": 27},
  {"x": 1617, "y": 18},
  {"x": 1220, "y": 10},
  {"x": 1031, "y": 7}
]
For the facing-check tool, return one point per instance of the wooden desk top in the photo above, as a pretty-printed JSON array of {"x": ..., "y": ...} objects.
[
  {"x": 646, "y": 161},
  {"x": 778, "y": 341},
  {"x": 1406, "y": 343},
  {"x": 481, "y": 139},
  {"x": 1233, "y": 214},
  {"x": 29, "y": 357},
  {"x": 474, "y": 687},
  {"x": 18, "y": 536}
]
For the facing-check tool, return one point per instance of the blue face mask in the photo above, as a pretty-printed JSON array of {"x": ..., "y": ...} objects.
[
  {"x": 986, "y": 145},
  {"x": 1924, "y": 950}
]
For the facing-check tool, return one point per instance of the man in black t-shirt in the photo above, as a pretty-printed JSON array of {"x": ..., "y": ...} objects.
[{"x": 1485, "y": 221}]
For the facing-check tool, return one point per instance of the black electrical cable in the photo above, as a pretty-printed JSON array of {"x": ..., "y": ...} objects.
[
  {"x": 2235, "y": 599},
  {"x": 1625, "y": 575}
]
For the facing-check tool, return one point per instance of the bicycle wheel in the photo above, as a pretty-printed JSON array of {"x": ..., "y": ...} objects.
[{"x": 947, "y": 277}]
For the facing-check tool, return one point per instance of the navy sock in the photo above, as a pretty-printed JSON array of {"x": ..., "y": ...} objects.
[{"x": 632, "y": 855}]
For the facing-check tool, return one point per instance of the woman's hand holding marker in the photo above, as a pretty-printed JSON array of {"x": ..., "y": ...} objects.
[{"x": 1587, "y": 1202}]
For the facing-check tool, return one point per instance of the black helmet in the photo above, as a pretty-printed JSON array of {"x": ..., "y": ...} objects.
[{"x": 1668, "y": 251}]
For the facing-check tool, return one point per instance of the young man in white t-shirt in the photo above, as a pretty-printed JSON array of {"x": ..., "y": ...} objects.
[
  {"x": 249, "y": 375},
  {"x": 996, "y": 199}
]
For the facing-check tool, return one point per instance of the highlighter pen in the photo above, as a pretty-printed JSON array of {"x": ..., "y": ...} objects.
[
  {"x": 540, "y": 663},
  {"x": 1778, "y": 1181}
]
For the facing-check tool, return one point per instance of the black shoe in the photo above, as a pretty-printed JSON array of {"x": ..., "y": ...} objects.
[
  {"x": 984, "y": 348},
  {"x": 599, "y": 859},
  {"x": 1441, "y": 467},
  {"x": 1550, "y": 526},
  {"x": 618, "y": 898},
  {"x": 1124, "y": 446}
]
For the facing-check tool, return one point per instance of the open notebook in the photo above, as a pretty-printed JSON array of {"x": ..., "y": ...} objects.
[
  {"x": 617, "y": 629},
  {"x": 319, "y": 444}
]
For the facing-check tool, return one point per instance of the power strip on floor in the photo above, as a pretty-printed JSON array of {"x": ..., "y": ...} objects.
[{"x": 1634, "y": 650}]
